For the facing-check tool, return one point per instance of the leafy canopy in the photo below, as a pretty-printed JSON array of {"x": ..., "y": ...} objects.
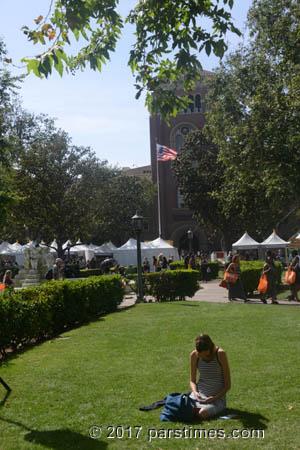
[
  {"x": 254, "y": 119},
  {"x": 65, "y": 191},
  {"x": 169, "y": 37}
]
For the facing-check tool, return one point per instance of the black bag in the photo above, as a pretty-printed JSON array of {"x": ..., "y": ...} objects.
[{"x": 178, "y": 408}]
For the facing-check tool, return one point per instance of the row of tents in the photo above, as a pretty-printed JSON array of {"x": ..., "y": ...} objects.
[
  {"x": 125, "y": 255},
  {"x": 272, "y": 242}
]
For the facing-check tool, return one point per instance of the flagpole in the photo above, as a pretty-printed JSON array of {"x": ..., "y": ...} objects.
[{"x": 158, "y": 192}]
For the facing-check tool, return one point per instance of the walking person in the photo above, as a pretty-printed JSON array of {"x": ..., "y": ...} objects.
[
  {"x": 154, "y": 263},
  {"x": 236, "y": 289},
  {"x": 269, "y": 270},
  {"x": 295, "y": 267},
  {"x": 58, "y": 271},
  {"x": 7, "y": 279},
  {"x": 203, "y": 268}
]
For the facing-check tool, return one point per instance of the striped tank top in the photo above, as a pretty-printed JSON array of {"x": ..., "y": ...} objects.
[{"x": 211, "y": 380}]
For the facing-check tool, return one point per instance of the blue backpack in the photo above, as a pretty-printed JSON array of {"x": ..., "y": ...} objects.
[{"x": 178, "y": 408}]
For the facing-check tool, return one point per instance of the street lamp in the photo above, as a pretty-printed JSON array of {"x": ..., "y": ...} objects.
[
  {"x": 190, "y": 239},
  {"x": 137, "y": 224}
]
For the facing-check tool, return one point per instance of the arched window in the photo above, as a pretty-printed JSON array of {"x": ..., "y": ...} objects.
[
  {"x": 198, "y": 103},
  {"x": 180, "y": 133},
  {"x": 180, "y": 200},
  {"x": 194, "y": 105}
]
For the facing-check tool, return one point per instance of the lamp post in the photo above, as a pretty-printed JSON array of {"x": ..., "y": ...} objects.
[
  {"x": 137, "y": 223},
  {"x": 190, "y": 239}
]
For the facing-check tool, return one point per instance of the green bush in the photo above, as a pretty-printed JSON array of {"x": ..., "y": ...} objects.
[
  {"x": 170, "y": 285},
  {"x": 36, "y": 313},
  {"x": 214, "y": 268},
  {"x": 251, "y": 272},
  {"x": 85, "y": 273}
]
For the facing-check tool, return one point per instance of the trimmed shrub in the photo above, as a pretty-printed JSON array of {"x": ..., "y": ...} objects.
[
  {"x": 214, "y": 268},
  {"x": 85, "y": 273},
  {"x": 170, "y": 285},
  {"x": 36, "y": 313}
]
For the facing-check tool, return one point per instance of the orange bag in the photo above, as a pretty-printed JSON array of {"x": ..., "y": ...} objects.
[
  {"x": 230, "y": 277},
  {"x": 290, "y": 277},
  {"x": 263, "y": 284},
  {"x": 2, "y": 286}
]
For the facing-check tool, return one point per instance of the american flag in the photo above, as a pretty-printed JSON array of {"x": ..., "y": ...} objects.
[{"x": 165, "y": 153}]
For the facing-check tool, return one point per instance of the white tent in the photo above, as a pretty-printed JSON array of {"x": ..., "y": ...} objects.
[
  {"x": 65, "y": 245},
  {"x": 245, "y": 243},
  {"x": 17, "y": 246},
  {"x": 7, "y": 249},
  {"x": 160, "y": 243},
  {"x": 30, "y": 244},
  {"x": 111, "y": 246},
  {"x": 102, "y": 249},
  {"x": 82, "y": 250},
  {"x": 127, "y": 253},
  {"x": 274, "y": 241}
]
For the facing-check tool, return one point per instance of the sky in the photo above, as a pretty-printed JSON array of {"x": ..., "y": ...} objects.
[{"x": 96, "y": 109}]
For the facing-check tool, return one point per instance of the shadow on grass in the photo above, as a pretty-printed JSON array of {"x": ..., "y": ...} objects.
[
  {"x": 3, "y": 401},
  {"x": 193, "y": 306},
  {"x": 248, "y": 419},
  {"x": 59, "y": 439}
]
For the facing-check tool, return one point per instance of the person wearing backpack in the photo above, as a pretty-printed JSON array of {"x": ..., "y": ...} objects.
[{"x": 209, "y": 393}]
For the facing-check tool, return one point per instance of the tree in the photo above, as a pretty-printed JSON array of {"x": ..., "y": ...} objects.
[
  {"x": 169, "y": 37},
  {"x": 119, "y": 199},
  {"x": 8, "y": 86},
  {"x": 200, "y": 178},
  {"x": 54, "y": 181},
  {"x": 254, "y": 119},
  {"x": 65, "y": 192}
]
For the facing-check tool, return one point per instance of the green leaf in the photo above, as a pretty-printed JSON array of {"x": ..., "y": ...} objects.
[{"x": 32, "y": 65}]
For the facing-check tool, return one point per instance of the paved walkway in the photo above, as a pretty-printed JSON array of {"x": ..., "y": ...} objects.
[{"x": 211, "y": 292}]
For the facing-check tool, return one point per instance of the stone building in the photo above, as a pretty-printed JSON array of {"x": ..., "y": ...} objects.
[{"x": 176, "y": 218}]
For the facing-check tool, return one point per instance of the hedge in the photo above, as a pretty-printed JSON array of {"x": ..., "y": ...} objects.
[
  {"x": 214, "y": 268},
  {"x": 170, "y": 285},
  {"x": 32, "y": 314},
  {"x": 251, "y": 272},
  {"x": 85, "y": 273}
]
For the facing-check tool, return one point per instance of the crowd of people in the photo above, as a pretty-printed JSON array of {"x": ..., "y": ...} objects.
[
  {"x": 7, "y": 262},
  {"x": 236, "y": 289}
]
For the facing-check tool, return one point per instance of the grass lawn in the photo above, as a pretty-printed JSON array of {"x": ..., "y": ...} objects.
[{"x": 100, "y": 374}]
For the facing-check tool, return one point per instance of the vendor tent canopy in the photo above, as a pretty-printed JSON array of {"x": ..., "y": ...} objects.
[
  {"x": 111, "y": 246},
  {"x": 127, "y": 254},
  {"x": 274, "y": 241},
  {"x": 17, "y": 246},
  {"x": 160, "y": 243},
  {"x": 245, "y": 243},
  {"x": 8, "y": 249},
  {"x": 30, "y": 244}
]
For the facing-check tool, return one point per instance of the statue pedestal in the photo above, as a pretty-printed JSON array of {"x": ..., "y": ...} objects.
[{"x": 30, "y": 276}]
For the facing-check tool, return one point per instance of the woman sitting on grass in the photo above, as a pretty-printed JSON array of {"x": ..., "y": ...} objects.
[{"x": 214, "y": 381}]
